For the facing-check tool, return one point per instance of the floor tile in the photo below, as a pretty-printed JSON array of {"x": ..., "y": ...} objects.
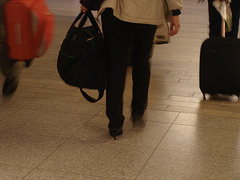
[
  {"x": 24, "y": 94},
  {"x": 207, "y": 141},
  {"x": 175, "y": 103},
  {"x": 6, "y": 111},
  {"x": 8, "y": 172},
  {"x": 209, "y": 121},
  {"x": 65, "y": 107},
  {"x": 156, "y": 106},
  {"x": 221, "y": 107},
  {"x": 41, "y": 174},
  {"x": 73, "y": 176},
  {"x": 74, "y": 93},
  {"x": 56, "y": 97},
  {"x": 126, "y": 112},
  {"x": 15, "y": 101},
  {"x": 24, "y": 150},
  {"x": 185, "y": 99},
  {"x": 160, "y": 116},
  {"x": 31, "y": 84},
  {"x": 44, "y": 123},
  {"x": 172, "y": 164},
  {"x": 211, "y": 112},
  {"x": 110, "y": 159},
  {"x": 145, "y": 134}
]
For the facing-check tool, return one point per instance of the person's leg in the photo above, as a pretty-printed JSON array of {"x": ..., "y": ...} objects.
[
  {"x": 215, "y": 21},
  {"x": 235, "y": 7},
  {"x": 10, "y": 70},
  {"x": 117, "y": 38},
  {"x": 142, "y": 45}
]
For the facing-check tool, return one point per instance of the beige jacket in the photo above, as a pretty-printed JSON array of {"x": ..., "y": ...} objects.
[{"x": 140, "y": 11}]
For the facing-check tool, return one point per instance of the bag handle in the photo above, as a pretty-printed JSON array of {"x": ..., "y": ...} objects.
[
  {"x": 91, "y": 99},
  {"x": 92, "y": 20},
  {"x": 82, "y": 22},
  {"x": 77, "y": 18},
  {"x": 84, "y": 19}
]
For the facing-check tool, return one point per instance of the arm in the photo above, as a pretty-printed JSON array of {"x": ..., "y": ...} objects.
[
  {"x": 83, "y": 8},
  {"x": 174, "y": 25},
  {"x": 90, "y": 4},
  {"x": 87, "y": 3},
  {"x": 175, "y": 6}
]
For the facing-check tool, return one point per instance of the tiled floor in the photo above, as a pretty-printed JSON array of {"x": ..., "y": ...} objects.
[{"x": 49, "y": 132}]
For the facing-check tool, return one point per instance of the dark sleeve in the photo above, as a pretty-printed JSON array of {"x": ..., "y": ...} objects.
[
  {"x": 91, "y": 4},
  {"x": 87, "y": 3},
  {"x": 176, "y": 12}
]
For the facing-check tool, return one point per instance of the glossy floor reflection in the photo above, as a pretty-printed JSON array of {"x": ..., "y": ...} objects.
[{"x": 48, "y": 131}]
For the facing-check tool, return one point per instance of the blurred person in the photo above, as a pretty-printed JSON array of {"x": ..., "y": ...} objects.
[
  {"x": 9, "y": 67},
  {"x": 215, "y": 19},
  {"x": 134, "y": 22}
]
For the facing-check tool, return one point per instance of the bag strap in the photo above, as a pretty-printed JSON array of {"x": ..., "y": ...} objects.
[
  {"x": 84, "y": 19},
  {"x": 91, "y": 99},
  {"x": 92, "y": 20},
  {"x": 77, "y": 18}
]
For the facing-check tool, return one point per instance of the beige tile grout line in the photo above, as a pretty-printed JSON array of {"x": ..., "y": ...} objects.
[
  {"x": 57, "y": 149},
  {"x": 157, "y": 146}
]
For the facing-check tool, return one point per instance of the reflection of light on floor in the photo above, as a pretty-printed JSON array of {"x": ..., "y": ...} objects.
[{"x": 223, "y": 97}]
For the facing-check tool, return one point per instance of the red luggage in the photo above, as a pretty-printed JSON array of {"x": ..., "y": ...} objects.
[{"x": 30, "y": 26}]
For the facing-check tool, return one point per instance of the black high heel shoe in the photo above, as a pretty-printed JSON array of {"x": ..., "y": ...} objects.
[{"x": 114, "y": 132}]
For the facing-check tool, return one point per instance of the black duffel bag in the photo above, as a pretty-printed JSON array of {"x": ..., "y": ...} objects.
[{"x": 82, "y": 58}]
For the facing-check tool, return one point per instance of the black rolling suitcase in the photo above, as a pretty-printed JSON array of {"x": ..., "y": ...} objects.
[{"x": 220, "y": 66}]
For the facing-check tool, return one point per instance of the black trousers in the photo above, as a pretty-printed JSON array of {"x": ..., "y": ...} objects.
[
  {"x": 118, "y": 36},
  {"x": 215, "y": 19}
]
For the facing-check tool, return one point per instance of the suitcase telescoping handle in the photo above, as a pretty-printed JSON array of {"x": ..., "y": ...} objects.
[
  {"x": 223, "y": 28},
  {"x": 223, "y": 8},
  {"x": 223, "y": 24}
]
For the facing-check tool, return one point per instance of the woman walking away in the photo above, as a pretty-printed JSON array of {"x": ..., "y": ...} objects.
[{"x": 128, "y": 22}]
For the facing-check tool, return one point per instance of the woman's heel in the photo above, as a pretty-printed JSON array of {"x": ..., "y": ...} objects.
[{"x": 114, "y": 132}]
